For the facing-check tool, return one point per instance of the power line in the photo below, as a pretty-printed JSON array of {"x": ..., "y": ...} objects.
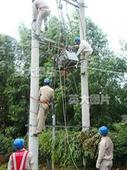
[
  {"x": 98, "y": 69},
  {"x": 71, "y": 3}
]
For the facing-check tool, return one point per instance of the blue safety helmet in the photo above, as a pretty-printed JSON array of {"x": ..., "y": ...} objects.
[
  {"x": 103, "y": 130},
  {"x": 47, "y": 81},
  {"x": 77, "y": 40},
  {"x": 18, "y": 143}
]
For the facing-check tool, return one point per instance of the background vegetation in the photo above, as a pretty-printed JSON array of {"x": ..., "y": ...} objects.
[{"x": 106, "y": 76}]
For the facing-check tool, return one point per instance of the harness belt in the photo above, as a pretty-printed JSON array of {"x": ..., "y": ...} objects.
[
  {"x": 44, "y": 7},
  {"x": 45, "y": 102}
]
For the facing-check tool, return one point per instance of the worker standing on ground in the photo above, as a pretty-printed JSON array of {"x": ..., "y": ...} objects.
[
  {"x": 40, "y": 13},
  {"x": 46, "y": 97},
  {"x": 105, "y": 155},
  {"x": 21, "y": 159}
]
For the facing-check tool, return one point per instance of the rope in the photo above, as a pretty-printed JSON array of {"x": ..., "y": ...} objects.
[
  {"x": 34, "y": 98},
  {"x": 58, "y": 40},
  {"x": 69, "y": 21},
  {"x": 61, "y": 17},
  {"x": 33, "y": 112},
  {"x": 75, "y": 5},
  {"x": 60, "y": 77},
  {"x": 79, "y": 3},
  {"x": 77, "y": 91},
  {"x": 58, "y": 51},
  {"x": 63, "y": 106},
  {"x": 64, "y": 102},
  {"x": 65, "y": 122}
]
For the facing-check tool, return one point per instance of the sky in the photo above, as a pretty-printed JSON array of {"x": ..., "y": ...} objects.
[{"x": 109, "y": 15}]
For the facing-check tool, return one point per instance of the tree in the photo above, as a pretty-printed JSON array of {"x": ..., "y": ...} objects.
[
  {"x": 7, "y": 68},
  {"x": 100, "y": 81},
  {"x": 14, "y": 88},
  {"x": 106, "y": 76}
]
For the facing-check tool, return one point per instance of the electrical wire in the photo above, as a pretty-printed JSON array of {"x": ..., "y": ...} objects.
[
  {"x": 98, "y": 69},
  {"x": 62, "y": 87},
  {"x": 69, "y": 21},
  {"x": 90, "y": 68},
  {"x": 63, "y": 93},
  {"x": 64, "y": 113}
]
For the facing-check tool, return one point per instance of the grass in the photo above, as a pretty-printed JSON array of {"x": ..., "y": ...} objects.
[{"x": 3, "y": 167}]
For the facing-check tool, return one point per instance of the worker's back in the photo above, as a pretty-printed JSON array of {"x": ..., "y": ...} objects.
[
  {"x": 40, "y": 3},
  {"x": 21, "y": 159},
  {"x": 107, "y": 145},
  {"x": 46, "y": 93}
]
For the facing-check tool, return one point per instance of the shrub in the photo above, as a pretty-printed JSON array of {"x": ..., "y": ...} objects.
[
  {"x": 6, "y": 147},
  {"x": 3, "y": 167},
  {"x": 70, "y": 147},
  {"x": 67, "y": 147}
]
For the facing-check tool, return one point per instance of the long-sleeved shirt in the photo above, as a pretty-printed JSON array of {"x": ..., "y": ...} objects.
[
  {"x": 40, "y": 3},
  {"x": 46, "y": 94},
  {"x": 85, "y": 48},
  {"x": 105, "y": 149},
  {"x": 29, "y": 162}
]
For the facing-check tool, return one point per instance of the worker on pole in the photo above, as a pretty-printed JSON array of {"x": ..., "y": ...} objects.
[
  {"x": 105, "y": 155},
  {"x": 21, "y": 159},
  {"x": 46, "y": 97},
  {"x": 40, "y": 13},
  {"x": 84, "y": 48}
]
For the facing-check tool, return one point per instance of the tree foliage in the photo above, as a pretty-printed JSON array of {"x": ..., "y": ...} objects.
[{"x": 106, "y": 77}]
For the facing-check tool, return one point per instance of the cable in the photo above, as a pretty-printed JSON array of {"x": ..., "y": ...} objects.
[
  {"x": 99, "y": 69},
  {"x": 59, "y": 37},
  {"x": 64, "y": 113},
  {"x": 75, "y": 5},
  {"x": 108, "y": 71},
  {"x": 79, "y": 3},
  {"x": 91, "y": 68},
  {"x": 69, "y": 21},
  {"x": 61, "y": 17}
]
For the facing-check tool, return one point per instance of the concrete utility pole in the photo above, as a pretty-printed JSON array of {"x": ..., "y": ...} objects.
[
  {"x": 53, "y": 139},
  {"x": 34, "y": 94},
  {"x": 84, "y": 73}
]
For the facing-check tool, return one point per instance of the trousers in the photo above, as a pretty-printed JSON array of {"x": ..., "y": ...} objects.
[
  {"x": 39, "y": 16},
  {"x": 41, "y": 118},
  {"x": 42, "y": 16},
  {"x": 106, "y": 165}
]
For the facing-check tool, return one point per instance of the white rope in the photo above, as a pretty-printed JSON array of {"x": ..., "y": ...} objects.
[{"x": 65, "y": 122}]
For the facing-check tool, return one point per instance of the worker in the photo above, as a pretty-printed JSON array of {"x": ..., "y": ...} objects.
[
  {"x": 77, "y": 40},
  {"x": 21, "y": 159},
  {"x": 40, "y": 13},
  {"x": 77, "y": 43},
  {"x": 84, "y": 48},
  {"x": 46, "y": 98},
  {"x": 105, "y": 155}
]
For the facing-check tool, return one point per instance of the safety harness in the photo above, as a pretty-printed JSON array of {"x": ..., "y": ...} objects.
[
  {"x": 19, "y": 160},
  {"x": 45, "y": 102},
  {"x": 41, "y": 101}
]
